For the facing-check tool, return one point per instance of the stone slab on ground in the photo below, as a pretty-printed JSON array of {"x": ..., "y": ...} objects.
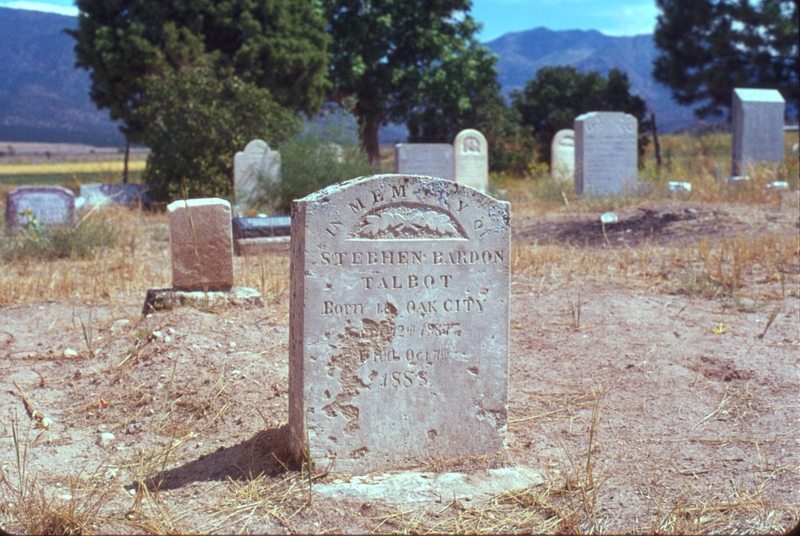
[
  {"x": 259, "y": 246},
  {"x": 417, "y": 487},
  {"x": 50, "y": 205},
  {"x": 201, "y": 244},
  {"x": 261, "y": 227},
  {"x": 399, "y": 323},
  {"x": 160, "y": 299},
  {"x": 126, "y": 194},
  {"x": 428, "y": 159}
]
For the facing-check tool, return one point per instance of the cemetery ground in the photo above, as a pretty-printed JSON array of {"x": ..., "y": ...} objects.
[{"x": 653, "y": 379}]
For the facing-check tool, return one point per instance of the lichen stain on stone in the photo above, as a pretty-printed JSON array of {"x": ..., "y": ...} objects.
[{"x": 354, "y": 350}]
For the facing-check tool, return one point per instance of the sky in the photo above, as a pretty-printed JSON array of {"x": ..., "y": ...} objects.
[{"x": 611, "y": 17}]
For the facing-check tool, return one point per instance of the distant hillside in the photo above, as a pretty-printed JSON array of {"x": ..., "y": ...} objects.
[
  {"x": 43, "y": 97},
  {"x": 523, "y": 53}
]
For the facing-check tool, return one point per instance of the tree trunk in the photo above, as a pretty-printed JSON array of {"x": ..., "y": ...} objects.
[
  {"x": 655, "y": 140},
  {"x": 369, "y": 140},
  {"x": 125, "y": 167}
]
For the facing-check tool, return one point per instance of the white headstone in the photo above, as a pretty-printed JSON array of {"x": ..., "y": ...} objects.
[
  {"x": 252, "y": 168},
  {"x": 605, "y": 153},
  {"x": 562, "y": 155},
  {"x": 49, "y": 205},
  {"x": 399, "y": 323},
  {"x": 471, "y": 159},
  {"x": 429, "y": 159},
  {"x": 757, "y": 127}
]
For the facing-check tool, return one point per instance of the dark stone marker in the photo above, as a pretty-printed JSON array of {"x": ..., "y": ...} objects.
[{"x": 255, "y": 227}]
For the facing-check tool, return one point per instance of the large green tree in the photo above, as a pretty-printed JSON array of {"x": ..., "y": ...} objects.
[
  {"x": 194, "y": 121},
  {"x": 551, "y": 102},
  {"x": 708, "y": 47},
  {"x": 385, "y": 53},
  {"x": 279, "y": 45}
]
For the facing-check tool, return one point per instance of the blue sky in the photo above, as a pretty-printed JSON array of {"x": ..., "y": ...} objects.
[{"x": 611, "y": 17}]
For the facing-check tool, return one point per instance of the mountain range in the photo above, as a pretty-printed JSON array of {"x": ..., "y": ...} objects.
[{"x": 43, "y": 97}]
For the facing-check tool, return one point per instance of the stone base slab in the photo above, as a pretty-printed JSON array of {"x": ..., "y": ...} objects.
[
  {"x": 426, "y": 487},
  {"x": 159, "y": 299},
  {"x": 260, "y": 246}
]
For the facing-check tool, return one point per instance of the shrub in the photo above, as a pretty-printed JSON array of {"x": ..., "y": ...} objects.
[
  {"x": 95, "y": 232},
  {"x": 195, "y": 123},
  {"x": 321, "y": 155}
]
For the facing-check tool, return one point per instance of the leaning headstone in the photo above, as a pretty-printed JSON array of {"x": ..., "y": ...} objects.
[
  {"x": 757, "y": 116},
  {"x": 605, "y": 153},
  {"x": 471, "y": 159},
  {"x": 200, "y": 241},
  {"x": 562, "y": 155},
  {"x": 399, "y": 323},
  {"x": 429, "y": 159},
  {"x": 49, "y": 205},
  {"x": 253, "y": 168}
]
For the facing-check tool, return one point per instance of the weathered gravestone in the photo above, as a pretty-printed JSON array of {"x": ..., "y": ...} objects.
[
  {"x": 49, "y": 205},
  {"x": 429, "y": 159},
  {"x": 605, "y": 153},
  {"x": 253, "y": 168},
  {"x": 471, "y": 159},
  {"x": 201, "y": 247},
  {"x": 757, "y": 116},
  {"x": 398, "y": 323},
  {"x": 562, "y": 155}
]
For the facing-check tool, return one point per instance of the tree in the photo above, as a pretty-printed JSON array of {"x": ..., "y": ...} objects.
[
  {"x": 194, "y": 122},
  {"x": 551, "y": 102},
  {"x": 464, "y": 93},
  {"x": 708, "y": 47},
  {"x": 386, "y": 52},
  {"x": 279, "y": 45}
]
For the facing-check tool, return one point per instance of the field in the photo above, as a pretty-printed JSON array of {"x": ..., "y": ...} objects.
[{"x": 653, "y": 377}]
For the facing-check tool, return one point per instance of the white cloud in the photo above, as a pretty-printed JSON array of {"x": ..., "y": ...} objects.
[{"x": 41, "y": 6}]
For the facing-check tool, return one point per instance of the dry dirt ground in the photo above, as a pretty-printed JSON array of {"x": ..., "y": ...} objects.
[{"x": 643, "y": 408}]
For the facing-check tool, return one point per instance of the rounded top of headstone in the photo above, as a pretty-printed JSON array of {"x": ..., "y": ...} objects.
[
  {"x": 257, "y": 146},
  {"x": 564, "y": 135},
  {"x": 433, "y": 186},
  {"x": 470, "y": 141}
]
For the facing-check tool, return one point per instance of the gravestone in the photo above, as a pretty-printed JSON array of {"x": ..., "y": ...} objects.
[
  {"x": 50, "y": 205},
  {"x": 253, "y": 236},
  {"x": 471, "y": 159},
  {"x": 126, "y": 194},
  {"x": 605, "y": 153},
  {"x": 757, "y": 116},
  {"x": 200, "y": 241},
  {"x": 261, "y": 227},
  {"x": 429, "y": 159},
  {"x": 399, "y": 323},
  {"x": 252, "y": 168},
  {"x": 562, "y": 155}
]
